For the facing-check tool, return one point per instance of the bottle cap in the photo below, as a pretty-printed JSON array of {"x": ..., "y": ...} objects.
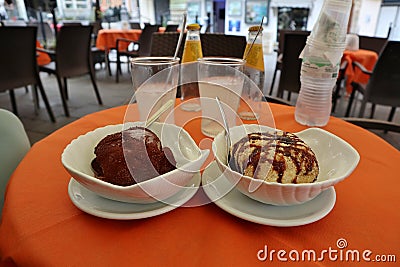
[
  {"x": 255, "y": 28},
  {"x": 193, "y": 27}
]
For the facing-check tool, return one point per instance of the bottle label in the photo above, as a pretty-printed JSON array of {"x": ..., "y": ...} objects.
[
  {"x": 315, "y": 69},
  {"x": 192, "y": 51},
  {"x": 255, "y": 58}
]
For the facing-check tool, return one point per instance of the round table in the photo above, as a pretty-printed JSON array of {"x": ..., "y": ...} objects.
[{"x": 41, "y": 226}]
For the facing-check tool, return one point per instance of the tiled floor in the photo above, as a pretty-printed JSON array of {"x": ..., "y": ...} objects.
[{"x": 82, "y": 101}]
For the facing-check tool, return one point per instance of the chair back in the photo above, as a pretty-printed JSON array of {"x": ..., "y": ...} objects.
[
  {"x": 135, "y": 25},
  {"x": 372, "y": 43},
  {"x": 293, "y": 44},
  {"x": 281, "y": 35},
  {"x": 383, "y": 86},
  {"x": 18, "y": 65},
  {"x": 96, "y": 27},
  {"x": 212, "y": 44},
  {"x": 374, "y": 124},
  {"x": 164, "y": 44},
  {"x": 145, "y": 39},
  {"x": 281, "y": 38},
  {"x": 71, "y": 23},
  {"x": 73, "y": 53},
  {"x": 219, "y": 44},
  {"x": 14, "y": 144},
  {"x": 171, "y": 28},
  {"x": 17, "y": 23}
]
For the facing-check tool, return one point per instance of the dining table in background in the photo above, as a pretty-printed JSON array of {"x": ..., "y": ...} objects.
[
  {"x": 107, "y": 38},
  {"x": 367, "y": 58},
  {"x": 42, "y": 227},
  {"x": 42, "y": 57}
]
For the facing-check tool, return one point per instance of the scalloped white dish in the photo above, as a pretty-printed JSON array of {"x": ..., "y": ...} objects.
[
  {"x": 218, "y": 188},
  {"x": 336, "y": 158},
  {"x": 77, "y": 157},
  {"x": 93, "y": 204}
]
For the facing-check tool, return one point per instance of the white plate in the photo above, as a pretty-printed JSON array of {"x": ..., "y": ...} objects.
[
  {"x": 215, "y": 185},
  {"x": 78, "y": 155},
  {"x": 96, "y": 205}
]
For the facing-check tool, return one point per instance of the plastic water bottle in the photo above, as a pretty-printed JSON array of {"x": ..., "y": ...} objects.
[
  {"x": 318, "y": 78},
  {"x": 320, "y": 65}
]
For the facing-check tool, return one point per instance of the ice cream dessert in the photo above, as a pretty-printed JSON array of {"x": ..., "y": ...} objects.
[
  {"x": 280, "y": 157},
  {"x": 138, "y": 146}
]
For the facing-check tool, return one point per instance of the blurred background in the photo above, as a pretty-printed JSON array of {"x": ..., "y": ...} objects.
[{"x": 378, "y": 18}]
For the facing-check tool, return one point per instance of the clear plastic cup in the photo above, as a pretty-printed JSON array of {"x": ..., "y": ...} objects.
[
  {"x": 223, "y": 78},
  {"x": 321, "y": 62},
  {"x": 154, "y": 80},
  {"x": 330, "y": 47},
  {"x": 331, "y": 26}
]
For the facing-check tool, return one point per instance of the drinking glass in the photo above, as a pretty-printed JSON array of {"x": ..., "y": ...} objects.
[
  {"x": 220, "y": 77},
  {"x": 154, "y": 80}
]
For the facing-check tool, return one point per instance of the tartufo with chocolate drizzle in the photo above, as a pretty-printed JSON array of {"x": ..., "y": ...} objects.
[{"x": 279, "y": 156}]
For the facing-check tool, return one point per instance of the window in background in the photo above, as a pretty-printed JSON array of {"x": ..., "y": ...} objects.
[
  {"x": 292, "y": 18},
  {"x": 255, "y": 10},
  {"x": 389, "y": 22}
]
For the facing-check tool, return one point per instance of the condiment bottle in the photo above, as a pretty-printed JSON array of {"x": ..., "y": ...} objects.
[
  {"x": 191, "y": 52},
  {"x": 254, "y": 68},
  {"x": 252, "y": 95}
]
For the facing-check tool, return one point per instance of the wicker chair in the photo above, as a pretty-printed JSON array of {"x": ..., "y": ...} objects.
[
  {"x": 73, "y": 57},
  {"x": 373, "y": 124},
  {"x": 18, "y": 65},
  {"x": 218, "y": 44},
  {"x": 278, "y": 64},
  {"x": 289, "y": 81},
  {"x": 383, "y": 84},
  {"x": 372, "y": 43},
  {"x": 171, "y": 28},
  {"x": 213, "y": 44},
  {"x": 135, "y": 25},
  {"x": 137, "y": 48},
  {"x": 164, "y": 44}
]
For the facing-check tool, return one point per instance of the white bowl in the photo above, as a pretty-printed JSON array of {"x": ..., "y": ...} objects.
[
  {"x": 78, "y": 155},
  {"x": 336, "y": 159}
]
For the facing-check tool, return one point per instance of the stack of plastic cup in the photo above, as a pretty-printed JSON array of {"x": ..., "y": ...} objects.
[
  {"x": 331, "y": 26},
  {"x": 320, "y": 66}
]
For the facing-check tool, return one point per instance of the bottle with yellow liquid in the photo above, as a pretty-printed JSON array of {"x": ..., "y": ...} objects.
[
  {"x": 252, "y": 94},
  {"x": 254, "y": 68},
  {"x": 191, "y": 52}
]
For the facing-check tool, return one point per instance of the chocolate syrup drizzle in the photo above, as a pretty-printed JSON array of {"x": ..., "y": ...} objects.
[{"x": 280, "y": 145}]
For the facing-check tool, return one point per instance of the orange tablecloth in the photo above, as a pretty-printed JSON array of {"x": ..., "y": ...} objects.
[
  {"x": 41, "y": 226},
  {"x": 107, "y": 38},
  {"x": 42, "y": 58},
  {"x": 367, "y": 58}
]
